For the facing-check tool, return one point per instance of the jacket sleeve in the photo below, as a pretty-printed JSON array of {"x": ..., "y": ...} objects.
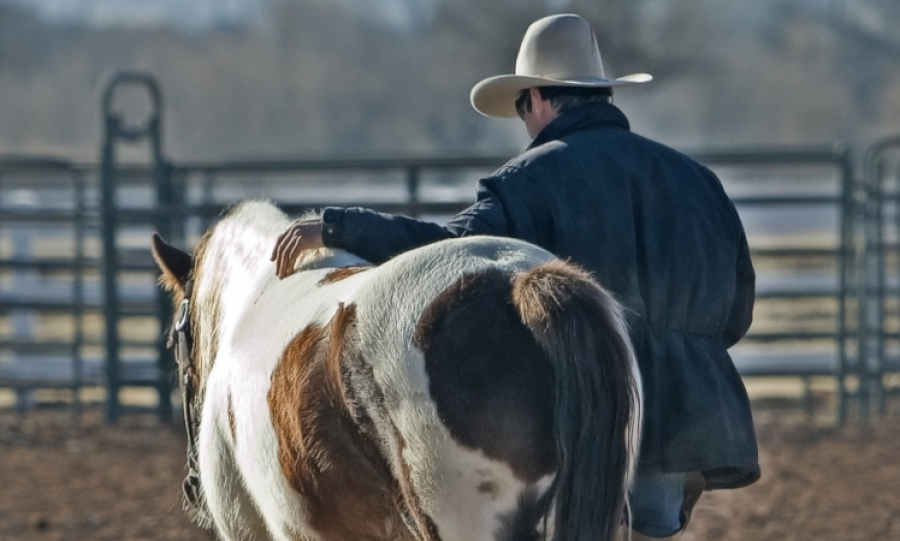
[
  {"x": 741, "y": 315},
  {"x": 377, "y": 237}
]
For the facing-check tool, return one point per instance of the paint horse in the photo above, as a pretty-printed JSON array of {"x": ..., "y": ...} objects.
[{"x": 472, "y": 389}]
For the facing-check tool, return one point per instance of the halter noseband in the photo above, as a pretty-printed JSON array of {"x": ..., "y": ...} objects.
[{"x": 183, "y": 342}]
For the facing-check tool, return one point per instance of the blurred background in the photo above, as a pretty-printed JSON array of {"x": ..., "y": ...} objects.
[
  {"x": 306, "y": 77},
  {"x": 794, "y": 104}
]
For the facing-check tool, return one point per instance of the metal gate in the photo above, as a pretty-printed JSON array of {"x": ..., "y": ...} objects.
[{"x": 132, "y": 202}]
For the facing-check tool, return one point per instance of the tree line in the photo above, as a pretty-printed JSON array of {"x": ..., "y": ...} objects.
[{"x": 315, "y": 78}]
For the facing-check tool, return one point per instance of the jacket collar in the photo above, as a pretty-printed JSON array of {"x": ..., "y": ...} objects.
[{"x": 591, "y": 115}]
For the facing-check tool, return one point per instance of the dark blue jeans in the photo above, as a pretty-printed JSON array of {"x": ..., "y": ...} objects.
[{"x": 656, "y": 503}]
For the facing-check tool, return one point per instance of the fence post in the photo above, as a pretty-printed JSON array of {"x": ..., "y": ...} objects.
[
  {"x": 412, "y": 184},
  {"x": 170, "y": 213},
  {"x": 872, "y": 377},
  {"x": 110, "y": 258},
  {"x": 114, "y": 131},
  {"x": 847, "y": 220}
]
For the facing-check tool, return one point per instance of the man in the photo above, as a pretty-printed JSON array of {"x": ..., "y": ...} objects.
[{"x": 652, "y": 225}]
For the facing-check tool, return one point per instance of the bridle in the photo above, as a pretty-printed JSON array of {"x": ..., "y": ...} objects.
[{"x": 183, "y": 343}]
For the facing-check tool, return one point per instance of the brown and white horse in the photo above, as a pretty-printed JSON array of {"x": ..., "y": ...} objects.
[{"x": 473, "y": 389}]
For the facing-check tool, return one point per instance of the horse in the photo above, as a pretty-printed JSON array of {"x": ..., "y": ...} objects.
[{"x": 471, "y": 389}]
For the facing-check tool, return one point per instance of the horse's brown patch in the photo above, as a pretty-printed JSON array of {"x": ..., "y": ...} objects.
[
  {"x": 490, "y": 380},
  {"x": 290, "y": 399},
  {"x": 232, "y": 425},
  {"x": 340, "y": 273},
  {"x": 333, "y": 464}
]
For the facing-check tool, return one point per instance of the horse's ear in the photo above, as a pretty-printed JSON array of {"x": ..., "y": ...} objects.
[{"x": 175, "y": 264}]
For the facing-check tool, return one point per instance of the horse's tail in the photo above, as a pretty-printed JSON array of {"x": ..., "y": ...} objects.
[{"x": 597, "y": 396}]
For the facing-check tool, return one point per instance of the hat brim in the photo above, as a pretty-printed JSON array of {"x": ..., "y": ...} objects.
[{"x": 496, "y": 96}]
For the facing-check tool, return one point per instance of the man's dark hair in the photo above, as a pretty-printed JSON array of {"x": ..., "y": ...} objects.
[{"x": 564, "y": 97}]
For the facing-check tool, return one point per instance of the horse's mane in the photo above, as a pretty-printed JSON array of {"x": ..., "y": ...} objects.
[{"x": 248, "y": 222}]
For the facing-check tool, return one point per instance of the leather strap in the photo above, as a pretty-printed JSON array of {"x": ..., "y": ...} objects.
[{"x": 183, "y": 345}]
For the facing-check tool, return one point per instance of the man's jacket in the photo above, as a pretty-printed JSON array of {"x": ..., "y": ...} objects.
[{"x": 655, "y": 228}]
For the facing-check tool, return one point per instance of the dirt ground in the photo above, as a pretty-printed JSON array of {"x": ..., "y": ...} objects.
[{"x": 92, "y": 482}]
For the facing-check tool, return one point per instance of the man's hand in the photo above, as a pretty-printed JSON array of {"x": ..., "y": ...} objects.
[{"x": 303, "y": 234}]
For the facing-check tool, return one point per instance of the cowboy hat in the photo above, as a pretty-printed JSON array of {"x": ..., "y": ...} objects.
[{"x": 560, "y": 50}]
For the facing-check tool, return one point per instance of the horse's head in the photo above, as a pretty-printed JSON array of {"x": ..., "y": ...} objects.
[{"x": 177, "y": 278}]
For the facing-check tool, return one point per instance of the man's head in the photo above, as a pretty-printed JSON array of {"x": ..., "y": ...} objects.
[
  {"x": 538, "y": 106},
  {"x": 559, "y": 51}
]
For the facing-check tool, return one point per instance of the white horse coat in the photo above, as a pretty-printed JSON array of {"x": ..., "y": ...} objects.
[{"x": 472, "y": 389}]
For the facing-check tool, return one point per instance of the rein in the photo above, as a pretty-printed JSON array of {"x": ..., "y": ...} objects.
[{"x": 183, "y": 342}]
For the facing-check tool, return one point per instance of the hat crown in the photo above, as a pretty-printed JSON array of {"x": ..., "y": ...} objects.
[
  {"x": 560, "y": 47},
  {"x": 560, "y": 50}
]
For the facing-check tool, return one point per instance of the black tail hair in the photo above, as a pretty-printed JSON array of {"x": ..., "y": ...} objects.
[{"x": 597, "y": 402}]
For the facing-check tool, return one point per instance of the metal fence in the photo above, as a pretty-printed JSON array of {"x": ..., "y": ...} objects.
[
  {"x": 43, "y": 223},
  {"x": 81, "y": 309}
]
